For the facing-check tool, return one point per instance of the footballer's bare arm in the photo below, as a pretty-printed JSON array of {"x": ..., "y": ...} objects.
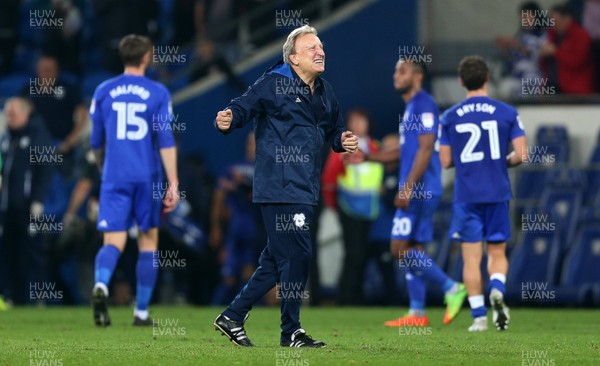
[
  {"x": 519, "y": 155},
  {"x": 446, "y": 156}
]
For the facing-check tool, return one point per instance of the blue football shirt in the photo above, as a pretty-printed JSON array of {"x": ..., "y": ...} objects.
[
  {"x": 421, "y": 116},
  {"x": 132, "y": 119},
  {"x": 479, "y": 131}
]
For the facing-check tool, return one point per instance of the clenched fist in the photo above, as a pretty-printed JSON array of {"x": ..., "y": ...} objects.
[
  {"x": 224, "y": 119},
  {"x": 349, "y": 142}
]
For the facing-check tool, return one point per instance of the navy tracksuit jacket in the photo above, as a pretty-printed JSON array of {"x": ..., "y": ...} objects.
[{"x": 291, "y": 124}]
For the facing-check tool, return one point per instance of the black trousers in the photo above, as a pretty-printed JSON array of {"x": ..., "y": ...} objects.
[
  {"x": 22, "y": 257},
  {"x": 285, "y": 262}
]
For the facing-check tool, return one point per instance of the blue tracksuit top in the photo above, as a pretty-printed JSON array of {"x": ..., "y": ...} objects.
[{"x": 291, "y": 124}]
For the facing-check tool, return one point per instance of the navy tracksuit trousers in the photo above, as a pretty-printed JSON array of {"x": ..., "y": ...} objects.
[{"x": 284, "y": 262}]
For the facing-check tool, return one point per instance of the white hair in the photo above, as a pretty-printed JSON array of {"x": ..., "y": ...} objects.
[
  {"x": 289, "y": 45},
  {"x": 24, "y": 104}
]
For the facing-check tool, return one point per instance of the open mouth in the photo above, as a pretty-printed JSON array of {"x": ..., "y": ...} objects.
[{"x": 319, "y": 61}]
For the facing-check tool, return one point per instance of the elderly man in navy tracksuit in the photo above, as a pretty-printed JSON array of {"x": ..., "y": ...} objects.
[{"x": 295, "y": 113}]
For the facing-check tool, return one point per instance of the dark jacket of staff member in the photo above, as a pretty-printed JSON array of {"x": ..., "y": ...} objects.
[
  {"x": 295, "y": 112},
  {"x": 28, "y": 158}
]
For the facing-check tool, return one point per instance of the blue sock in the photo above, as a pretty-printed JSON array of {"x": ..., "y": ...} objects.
[
  {"x": 146, "y": 274},
  {"x": 479, "y": 312},
  {"x": 416, "y": 292},
  {"x": 420, "y": 262},
  {"x": 477, "y": 304},
  {"x": 106, "y": 261},
  {"x": 498, "y": 285},
  {"x": 497, "y": 281}
]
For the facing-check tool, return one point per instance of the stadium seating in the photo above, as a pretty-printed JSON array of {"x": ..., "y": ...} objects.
[
  {"x": 11, "y": 85},
  {"x": 69, "y": 78},
  {"x": 534, "y": 259},
  {"x": 551, "y": 150},
  {"x": 90, "y": 82},
  {"x": 552, "y": 135},
  {"x": 551, "y": 147},
  {"x": 566, "y": 178},
  {"x": 562, "y": 205},
  {"x": 591, "y": 213},
  {"x": 93, "y": 59},
  {"x": 580, "y": 275},
  {"x": 593, "y": 175},
  {"x": 178, "y": 83},
  {"x": 565, "y": 201},
  {"x": 24, "y": 60},
  {"x": 547, "y": 155},
  {"x": 528, "y": 181},
  {"x": 583, "y": 260}
]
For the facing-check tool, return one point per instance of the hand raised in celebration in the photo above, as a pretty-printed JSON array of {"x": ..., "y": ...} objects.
[
  {"x": 349, "y": 142},
  {"x": 224, "y": 119}
]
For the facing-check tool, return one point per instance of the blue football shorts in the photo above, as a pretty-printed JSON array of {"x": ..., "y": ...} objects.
[
  {"x": 416, "y": 222},
  {"x": 475, "y": 222},
  {"x": 124, "y": 203}
]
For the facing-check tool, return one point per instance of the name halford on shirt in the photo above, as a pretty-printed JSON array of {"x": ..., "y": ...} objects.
[
  {"x": 130, "y": 89},
  {"x": 475, "y": 107}
]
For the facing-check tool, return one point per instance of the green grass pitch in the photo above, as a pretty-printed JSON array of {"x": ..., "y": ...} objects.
[{"x": 355, "y": 336}]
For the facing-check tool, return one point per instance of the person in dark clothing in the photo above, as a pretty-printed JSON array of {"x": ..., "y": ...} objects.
[
  {"x": 295, "y": 113},
  {"x": 62, "y": 111},
  {"x": 352, "y": 190},
  {"x": 567, "y": 55},
  {"x": 58, "y": 103},
  {"x": 28, "y": 155}
]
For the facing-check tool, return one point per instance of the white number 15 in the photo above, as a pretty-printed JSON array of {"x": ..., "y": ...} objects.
[{"x": 126, "y": 115}]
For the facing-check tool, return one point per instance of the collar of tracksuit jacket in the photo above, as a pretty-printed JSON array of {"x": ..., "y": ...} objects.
[{"x": 316, "y": 97}]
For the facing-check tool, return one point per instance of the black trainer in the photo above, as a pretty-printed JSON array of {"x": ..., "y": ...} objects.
[
  {"x": 301, "y": 339},
  {"x": 233, "y": 330},
  {"x": 99, "y": 300},
  {"x": 139, "y": 322}
]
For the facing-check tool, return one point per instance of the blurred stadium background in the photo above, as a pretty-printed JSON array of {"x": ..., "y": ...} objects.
[{"x": 207, "y": 52}]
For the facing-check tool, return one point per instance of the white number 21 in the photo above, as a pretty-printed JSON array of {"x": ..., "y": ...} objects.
[
  {"x": 468, "y": 155},
  {"x": 126, "y": 115}
]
